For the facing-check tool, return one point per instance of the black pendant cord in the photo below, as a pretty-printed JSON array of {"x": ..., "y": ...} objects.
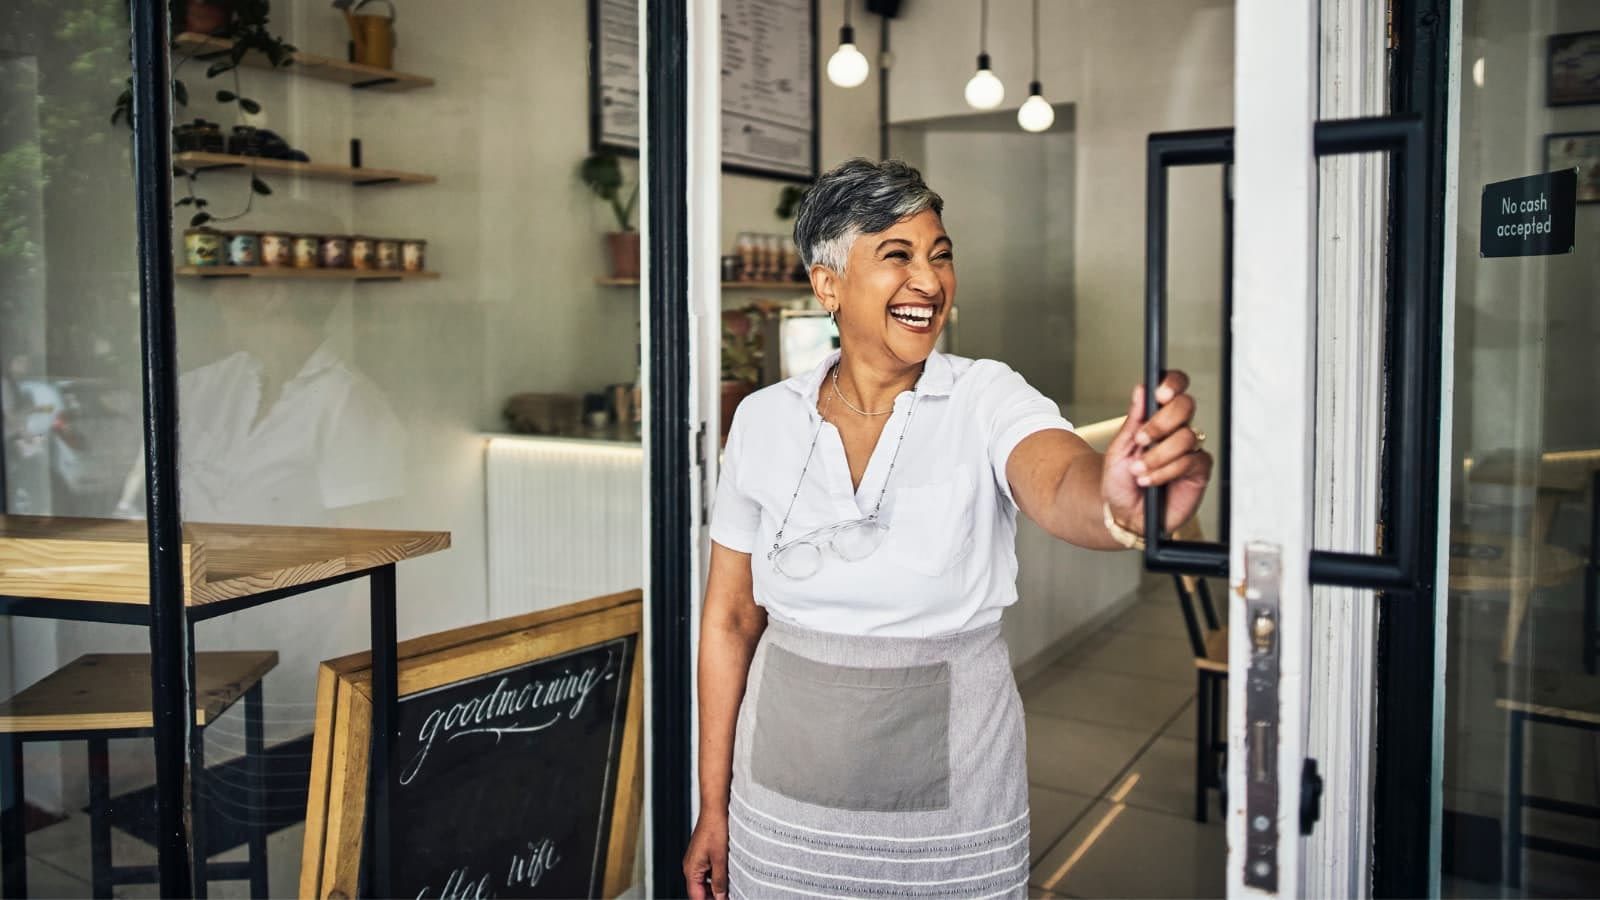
[
  {"x": 1035, "y": 78},
  {"x": 671, "y": 516},
  {"x": 983, "y": 28},
  {"x": 171, "y": 670}
]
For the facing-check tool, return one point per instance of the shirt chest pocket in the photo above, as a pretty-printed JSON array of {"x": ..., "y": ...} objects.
[{"x": 931, "y": 525}]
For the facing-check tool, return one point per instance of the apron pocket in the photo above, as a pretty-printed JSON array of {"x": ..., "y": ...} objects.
[{"x": 868, "y": 739}]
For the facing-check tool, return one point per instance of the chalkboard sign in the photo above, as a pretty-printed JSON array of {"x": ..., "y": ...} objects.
[
  {"x": 505, "y": 781},
  {"x": 516, "y": 768}
]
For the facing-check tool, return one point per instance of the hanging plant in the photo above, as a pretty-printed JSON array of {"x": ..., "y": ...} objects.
[{"x": 244, "y": 22}]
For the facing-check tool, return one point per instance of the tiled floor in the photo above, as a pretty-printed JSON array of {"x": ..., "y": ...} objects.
[{"x": 1111, "y": 765}]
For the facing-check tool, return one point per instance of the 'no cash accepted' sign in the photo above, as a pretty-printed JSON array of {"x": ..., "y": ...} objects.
[{"x": 1530, "y": 216}]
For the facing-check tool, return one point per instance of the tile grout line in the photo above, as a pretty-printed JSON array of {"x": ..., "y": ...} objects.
[{"x": 1150, "y": 742}]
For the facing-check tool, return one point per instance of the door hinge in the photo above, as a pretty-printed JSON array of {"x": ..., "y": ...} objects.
[{"x": 1391, "y": 38}]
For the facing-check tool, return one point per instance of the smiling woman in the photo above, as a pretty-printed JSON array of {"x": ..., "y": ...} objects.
[{"x": 859, "y": 720}]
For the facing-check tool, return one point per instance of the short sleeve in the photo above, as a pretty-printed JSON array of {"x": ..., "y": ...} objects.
[
  {"x": 735, "y": 516},
  {"x": 1013, "y": 409}
]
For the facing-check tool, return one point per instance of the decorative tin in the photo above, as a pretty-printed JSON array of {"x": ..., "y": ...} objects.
[
  {"x": 244, "y": 249},
  {"x": 305, "y": 251},
  {"x": 202, "y": 247},
  {"x": 363, "y": 252},
  {"x": 414, "y": 255},
  {"x": 276, "y": 249},
  {"x": 389, "y": 254},
  {"x": 335, "y": 251}
]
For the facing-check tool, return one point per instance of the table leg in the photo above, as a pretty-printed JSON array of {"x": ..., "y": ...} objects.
[
  {"x": 1513, "y": 848},
  {"x": 255, "y": 761},
  {"x": 1591, "y": 583},
  {"x": 13, "y": 834},
  {"x": 200, "y": 799},
  {"x": 385, "y": 703},
  {"x": 1202, "y": 744},
  {"x": 100, "y": 816}
]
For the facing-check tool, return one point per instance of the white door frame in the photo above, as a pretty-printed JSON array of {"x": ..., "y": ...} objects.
[{"x": 1273, "y": 427}]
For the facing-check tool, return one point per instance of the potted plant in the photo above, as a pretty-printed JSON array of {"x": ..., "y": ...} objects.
[
  {"x": 602, "y": 172},
  {"x": 742, "y": 356},
  {"x": 244, "y": 22}
]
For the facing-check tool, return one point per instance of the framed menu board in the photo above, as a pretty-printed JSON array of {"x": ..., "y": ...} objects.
[
  {"x": 516, "y": 760},
  {"x": 769, "y": 84}
]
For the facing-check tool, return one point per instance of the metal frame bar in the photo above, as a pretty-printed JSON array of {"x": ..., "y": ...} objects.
[
  {"x": 1397, "y": 566},
  {"x": 385, "y": 717},
  {"x": 671, "y": 465},
  {"x": 171, "y": 660}
]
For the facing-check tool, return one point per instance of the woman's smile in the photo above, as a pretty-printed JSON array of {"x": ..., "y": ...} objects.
[{"x": 917, "y": 317}]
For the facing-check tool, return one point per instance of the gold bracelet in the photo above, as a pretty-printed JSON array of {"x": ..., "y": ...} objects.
[{"x": 1119, "y": 534}]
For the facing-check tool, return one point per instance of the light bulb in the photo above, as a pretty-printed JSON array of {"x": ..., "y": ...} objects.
[
  {"x": 1036, "y": 113},
  {"x": 847, "y": 67},
  {"x": 984, "y": 90}
]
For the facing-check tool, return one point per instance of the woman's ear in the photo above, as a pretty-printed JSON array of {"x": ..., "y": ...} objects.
[{"x": 825, "y": 285}]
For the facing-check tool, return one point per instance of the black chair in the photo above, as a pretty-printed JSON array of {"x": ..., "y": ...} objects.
[{"x": 1209, "y": 644}]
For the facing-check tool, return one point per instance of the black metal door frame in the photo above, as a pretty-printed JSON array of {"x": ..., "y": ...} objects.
[
  {"x": 666, "y": 153},
  {"x": 1403, "y": 793}
]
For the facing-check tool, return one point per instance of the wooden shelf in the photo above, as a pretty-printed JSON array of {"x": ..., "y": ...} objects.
[
  {"x": 210, "y": 162},
  {"x": 309, "y": 65},
  {"x": 305, "y": 274},
  {"x": 726, "y": 285}
]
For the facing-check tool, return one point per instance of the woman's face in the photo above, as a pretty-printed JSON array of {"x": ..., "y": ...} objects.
[{"x": 896, "y": 290}]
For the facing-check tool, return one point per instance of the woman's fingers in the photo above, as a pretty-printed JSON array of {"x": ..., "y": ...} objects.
[
  {"x": 719, "y": 875},
  {"x": 1172, "y": 416},
  {"x": 1190, "y": 464},
  {"x": 1175, "y": 383},
  {"x": 1156, "y": 458}
]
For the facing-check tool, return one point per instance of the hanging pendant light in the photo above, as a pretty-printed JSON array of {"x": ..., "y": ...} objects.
[
  {"x": 847, "y": 67},
  {"x": 1036, "y": 113},
  {"x": 984, "y": 90}
]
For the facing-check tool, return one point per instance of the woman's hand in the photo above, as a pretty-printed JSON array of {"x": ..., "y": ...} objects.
[
  {"x": 707, "y": 857},
  {"x": 1162, "y": 451}
]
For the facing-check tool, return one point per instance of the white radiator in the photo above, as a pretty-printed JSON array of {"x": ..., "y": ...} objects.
[{"x": 565, "y": 521}]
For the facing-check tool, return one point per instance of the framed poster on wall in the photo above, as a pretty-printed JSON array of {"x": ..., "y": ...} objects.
[{"x": 769, "y": 84}]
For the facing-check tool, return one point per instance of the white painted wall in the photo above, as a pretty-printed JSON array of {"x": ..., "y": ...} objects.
[{"x": 1126, "y": 68}]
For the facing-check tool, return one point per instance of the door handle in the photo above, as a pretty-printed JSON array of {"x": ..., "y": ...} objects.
[{"x": 1395, "y": 566}]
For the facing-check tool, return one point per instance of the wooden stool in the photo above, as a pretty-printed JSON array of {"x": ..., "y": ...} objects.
[
  {"x": 101, "y": 696},
  {"x": 1560, "y": 701}
]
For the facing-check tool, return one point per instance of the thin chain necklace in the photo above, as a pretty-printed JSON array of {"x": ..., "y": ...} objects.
[{"x": 846, "y": 400}]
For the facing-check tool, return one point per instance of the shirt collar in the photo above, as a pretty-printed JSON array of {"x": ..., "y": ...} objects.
[{"x": 938, "y": 377}]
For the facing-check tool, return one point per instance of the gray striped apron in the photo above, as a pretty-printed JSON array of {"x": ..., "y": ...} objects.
[{"x": 879, "y": 767}]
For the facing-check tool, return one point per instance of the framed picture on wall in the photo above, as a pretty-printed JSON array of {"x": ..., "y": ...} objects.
[
  {"x": 1573, "y": 77},
  {"x": 770, "y": 90},
  {"x": 1576, "y": 150}
]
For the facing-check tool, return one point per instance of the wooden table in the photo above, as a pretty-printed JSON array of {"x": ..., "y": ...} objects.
[{"x": 98, "y": 570}]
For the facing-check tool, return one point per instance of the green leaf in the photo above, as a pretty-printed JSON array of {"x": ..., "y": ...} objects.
[
  {"x": 217, "y": 68},
  {"x": 201, "y": 203},
  {"x": 225, "y": 96},
  {"x": 249, "y": 106},
  {"x": 184, "y": 201},
  {"x": 199, "y": 219},
  {"x": 259, "y": 186},
  {"x": 180, "y": 92}
]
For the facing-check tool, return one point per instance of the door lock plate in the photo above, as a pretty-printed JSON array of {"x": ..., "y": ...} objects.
[{"x": 1263, "y": 591}]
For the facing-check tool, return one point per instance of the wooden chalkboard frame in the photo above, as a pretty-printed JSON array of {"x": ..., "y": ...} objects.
[{"x": 337, "y": 803}]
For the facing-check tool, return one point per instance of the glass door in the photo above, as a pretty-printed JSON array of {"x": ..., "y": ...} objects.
[{"x": 1520, "y": 758}]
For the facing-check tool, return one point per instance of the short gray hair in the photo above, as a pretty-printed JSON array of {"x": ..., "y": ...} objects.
[{"x": 857, "y": 197}]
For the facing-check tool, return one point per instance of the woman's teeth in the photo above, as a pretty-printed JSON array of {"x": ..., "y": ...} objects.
[{"x": 916, "y": 316}]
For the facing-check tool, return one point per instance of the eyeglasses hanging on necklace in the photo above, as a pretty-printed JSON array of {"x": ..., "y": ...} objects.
[
  {"x": 847, "y": 67},
  {"x": 1036, "y": 113}
]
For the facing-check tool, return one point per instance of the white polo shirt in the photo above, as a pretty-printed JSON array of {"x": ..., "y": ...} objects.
[{"x": 948, "y": 562}]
